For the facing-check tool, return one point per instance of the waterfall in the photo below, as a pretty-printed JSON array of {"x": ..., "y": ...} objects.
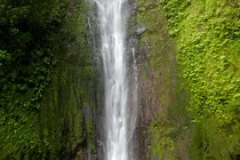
[{"x": 120, "y": 87}]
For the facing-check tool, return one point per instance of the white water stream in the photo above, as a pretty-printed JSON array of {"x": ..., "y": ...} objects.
[{"x": 120, "y": 109}]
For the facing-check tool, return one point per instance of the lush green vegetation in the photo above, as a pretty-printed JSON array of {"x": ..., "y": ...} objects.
[
  {"x": 207, "y": 40},
  {"x": 48, "y": 85},
  {"x": 38, "y": 40},
  {"x": 208, "y": 44},
  {"x": 27, "y": 40},
  {"x": 27, "y": 31}
]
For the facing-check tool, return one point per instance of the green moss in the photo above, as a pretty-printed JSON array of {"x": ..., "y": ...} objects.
[
  {"x": 159, "y": 75},
  {"x": 71, "y": 95},
  {"x": 207, "y": 42},
  {"x": 162, "y": 142},
  {"x": 207, "y": 48},
  {"x": 43, "y": 102}
]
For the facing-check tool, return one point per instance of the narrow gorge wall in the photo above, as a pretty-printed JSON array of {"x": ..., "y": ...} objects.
[
  {"x": 69, "y": 109},
  {"x": 189, "y": 78}
]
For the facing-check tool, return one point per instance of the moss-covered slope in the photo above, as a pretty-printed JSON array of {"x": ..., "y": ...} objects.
[{"x": 202, "y": 123}]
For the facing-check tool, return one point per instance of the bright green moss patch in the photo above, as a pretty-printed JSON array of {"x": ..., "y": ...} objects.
[{"x": 208, "y": 50}]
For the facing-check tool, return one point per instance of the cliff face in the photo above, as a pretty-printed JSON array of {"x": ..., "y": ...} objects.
[
  {"x": 189, "y": 78},
  {"x": 49, "y": 93},
  {"x": 163, "y": 97},
  {"x": 187, "y": 56},
  {"x": 68, "y": 111},
  {"x": 189, "y": 87}
]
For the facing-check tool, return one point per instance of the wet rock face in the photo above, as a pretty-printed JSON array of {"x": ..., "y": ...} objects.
[
  {"x": 140, "y": 29},
  {"x": 157, "y": 71},
  {"x": 156, "y": 61},
  {"x": 69, "y": 108}
]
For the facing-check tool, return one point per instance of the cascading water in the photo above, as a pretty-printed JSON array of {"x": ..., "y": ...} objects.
[{"x": 119, "y": 122}]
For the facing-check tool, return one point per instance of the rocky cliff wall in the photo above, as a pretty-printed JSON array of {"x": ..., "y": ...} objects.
[
  {"x": 188, "y": 78},
  {"x": 69, "y": 107}
]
